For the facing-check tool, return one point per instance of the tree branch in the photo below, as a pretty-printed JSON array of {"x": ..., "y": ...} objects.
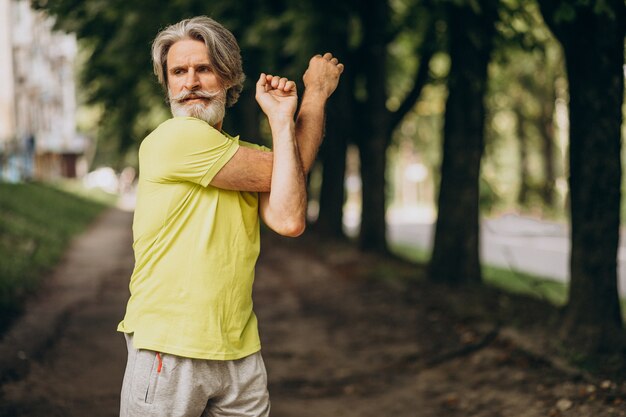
[
  {"x": 548, "y": 8},
  {"x": 427, "y": 50}
]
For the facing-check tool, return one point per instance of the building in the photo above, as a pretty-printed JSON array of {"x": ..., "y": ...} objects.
[{"x": 38, "y": 136}]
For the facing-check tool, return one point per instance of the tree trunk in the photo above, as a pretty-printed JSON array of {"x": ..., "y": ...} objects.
[
  {"x": 546, "y": 126},
  {"x": 455, "y": 251},
  {"x": 372, "y": 236},
  {"x": 594, "y": 55},
  {"x": 523, "y": 194},
  {"x": 334, "y": 37},
  {"x": 243, "y": 118},
  {"x": 374, "y": 138},
  {"x": 338, "y": 130}
]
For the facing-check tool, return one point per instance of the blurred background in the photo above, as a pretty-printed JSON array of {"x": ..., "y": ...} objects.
[{"x": 480, "y": 138}]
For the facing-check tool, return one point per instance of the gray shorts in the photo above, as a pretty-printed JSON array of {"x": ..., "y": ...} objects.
[{"x": 158, "y": 384}]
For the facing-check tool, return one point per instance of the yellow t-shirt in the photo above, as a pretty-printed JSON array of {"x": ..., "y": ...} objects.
[{"x": 195, "y": 246}]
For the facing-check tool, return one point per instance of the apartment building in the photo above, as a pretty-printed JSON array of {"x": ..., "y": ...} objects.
[{"x": 38, "y": 137}]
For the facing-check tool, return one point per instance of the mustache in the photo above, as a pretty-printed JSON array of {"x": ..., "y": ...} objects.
[{"x": 186, "y": 94}]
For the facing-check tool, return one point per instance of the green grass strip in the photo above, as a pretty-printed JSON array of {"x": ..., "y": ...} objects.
[
  {"x": 509, "y": 280},
  {"x": 37, "y": 222}
]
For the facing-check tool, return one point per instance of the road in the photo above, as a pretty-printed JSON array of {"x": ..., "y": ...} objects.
[{"x": 510, "y": 241}]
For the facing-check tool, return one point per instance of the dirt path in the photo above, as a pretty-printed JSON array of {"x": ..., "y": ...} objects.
[
  {"x": 341, "y": 338},
  {"x": 77, "y": 366}
]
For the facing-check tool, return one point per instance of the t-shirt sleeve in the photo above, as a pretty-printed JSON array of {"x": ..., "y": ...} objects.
[
  {"x": 254, "y": 146},
  {"x": 188, "y": 149}
]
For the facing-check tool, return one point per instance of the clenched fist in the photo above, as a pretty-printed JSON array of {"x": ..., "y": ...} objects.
[
  {"x": 322, "y": 75},
  {"x": 277, "y": 96}
]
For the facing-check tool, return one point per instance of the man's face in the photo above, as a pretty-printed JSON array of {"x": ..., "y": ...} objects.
[{"x": 193, "y": 88}]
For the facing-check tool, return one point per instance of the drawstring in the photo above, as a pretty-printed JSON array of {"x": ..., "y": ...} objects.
[{"x": 158, "y": 355}]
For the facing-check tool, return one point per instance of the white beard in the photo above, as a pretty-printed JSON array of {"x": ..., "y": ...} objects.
[{"x": 211, "y": 112}]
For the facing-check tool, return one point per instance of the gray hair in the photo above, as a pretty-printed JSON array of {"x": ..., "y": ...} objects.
[{"x": 223, "y": 51}]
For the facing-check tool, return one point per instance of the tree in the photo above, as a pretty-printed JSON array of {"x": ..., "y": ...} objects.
[
  {"x": 119, "y": 77},
  {"x": 524, "y": 168},
  {"x": 333, "y": 155},
  {"x": 373, "y": 138},
  {"x": 549, "y": 151},
  {"x": 377, "y": 123},
  {"x": 471, "y": 29},
  {"x": 592, "y": 36},
  {"x": 526, "y": 67},
  {"x": 361, "y": 35}
]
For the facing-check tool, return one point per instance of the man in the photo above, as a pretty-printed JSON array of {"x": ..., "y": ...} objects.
[{"x": 193, "y": 343}]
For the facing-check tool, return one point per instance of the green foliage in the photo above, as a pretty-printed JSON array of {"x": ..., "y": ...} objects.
[
  {"x": 117, "y": 35},
  {"x": 275, "y": 37},
  {"x": 560, "y": 13},
  {"x": 411, "y": 23},
  {"x": 489, "y": 197},
  {"x": 525, "y": 72},
  {"x": 566, "y": 12},
  {"x": 520, "y": 27},
  {"x": 36, "y": 224}
]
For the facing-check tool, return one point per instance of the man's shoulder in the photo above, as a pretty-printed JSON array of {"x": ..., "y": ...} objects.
[{"x": 178, "y": 130}]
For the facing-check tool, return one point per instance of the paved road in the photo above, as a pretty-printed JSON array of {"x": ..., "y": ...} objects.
[{"x": 519, "y": 243}]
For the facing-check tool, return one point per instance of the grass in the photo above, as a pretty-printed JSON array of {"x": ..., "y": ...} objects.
[
  {"x": 524, "y": 283},
  {"x": 506, "y": 279},
  {"x": 37, "y": 222},
  {"x": 76, "y": 187}
]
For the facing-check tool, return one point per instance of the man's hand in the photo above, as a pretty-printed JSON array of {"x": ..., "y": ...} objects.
[
  {"x": 277, "y": 97},
  {"x": 323, "y": 73}
]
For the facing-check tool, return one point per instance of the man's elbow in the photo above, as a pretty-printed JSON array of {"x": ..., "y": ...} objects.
[
  {"x": 291, "y": 228},
  {"x": 294, "y": 228}
]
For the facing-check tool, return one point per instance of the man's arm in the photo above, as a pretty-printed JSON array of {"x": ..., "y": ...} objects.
[
  {"x": 284, "y": 206},
  {"x": 320, "y": 81},
  {"x": 247, "y": 170},
  {"x": 251, "y": 169}
]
